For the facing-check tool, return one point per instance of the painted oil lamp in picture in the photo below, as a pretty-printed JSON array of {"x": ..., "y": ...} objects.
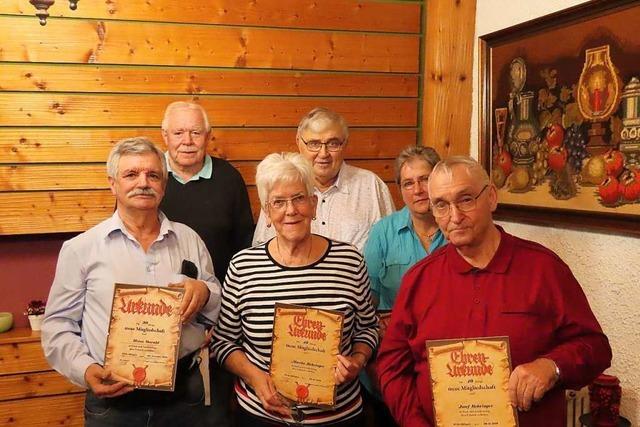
[
  {"x": 599, "y": 90},
  {"x": 524, "y": 133},
  {"x": 630, "y": 133}
]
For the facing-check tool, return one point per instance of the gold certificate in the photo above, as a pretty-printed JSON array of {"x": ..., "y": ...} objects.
[
  {"x": 144, "y": 336},
  {"x": 306, "y": 343},
  {"x": 470, "y": 382}
]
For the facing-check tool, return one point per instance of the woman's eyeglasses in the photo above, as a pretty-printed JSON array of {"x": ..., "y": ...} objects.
[
  {"x": 297, "y": 201},
  {"x": 409, "y": 184}
]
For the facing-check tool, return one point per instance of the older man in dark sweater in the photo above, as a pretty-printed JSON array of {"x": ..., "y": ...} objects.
[{"x": 209, "y": 195}]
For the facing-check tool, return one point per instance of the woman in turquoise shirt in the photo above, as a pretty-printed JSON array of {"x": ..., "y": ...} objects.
[
  {"x": 396, "y": 243},
  {"x": 403, "y": 238}
]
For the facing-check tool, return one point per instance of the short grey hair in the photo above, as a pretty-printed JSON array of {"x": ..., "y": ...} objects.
[
  {"x": 283, "y": 168},
  {"x": 415, "y": 152},
  {"x": 321, "y": 118},
  {"x": 184, "y": 105},
  {"x": 134, "y": 146},
  {"x": 470, "y": 165}
]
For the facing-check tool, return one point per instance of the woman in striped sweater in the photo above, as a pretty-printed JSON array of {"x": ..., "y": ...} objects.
[{"x": 295, "y": 267}]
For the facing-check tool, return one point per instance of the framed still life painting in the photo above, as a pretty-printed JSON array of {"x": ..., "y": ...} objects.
[{"x": 560, "y": 117}]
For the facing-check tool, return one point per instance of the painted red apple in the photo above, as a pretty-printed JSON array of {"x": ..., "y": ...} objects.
[
  {"x": 609, "y": 191},
  {"x": 557, "y": 158},
  {"x": 503, "y": 160},
  {"x": 555, "y": 135},
  {"x": 302, "y": 392},
  {"x": 613, "y": 162},
  {"x": 630, "y": 185}
]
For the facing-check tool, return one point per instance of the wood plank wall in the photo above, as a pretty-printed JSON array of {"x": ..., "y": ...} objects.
[
  {"x": 448, "y": 62},
  {"x": 71, "y": 89}
]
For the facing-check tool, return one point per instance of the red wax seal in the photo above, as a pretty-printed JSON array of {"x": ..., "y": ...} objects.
[
  {"x": 139, "y": 375},
  {"x": 302, "y": 391}
]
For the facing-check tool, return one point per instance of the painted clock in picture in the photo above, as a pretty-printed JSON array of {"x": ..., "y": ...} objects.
[{"x": 560, "y": 117}]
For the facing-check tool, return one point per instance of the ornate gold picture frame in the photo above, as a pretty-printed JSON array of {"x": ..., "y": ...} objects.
[{"x": 560, "y": 117}]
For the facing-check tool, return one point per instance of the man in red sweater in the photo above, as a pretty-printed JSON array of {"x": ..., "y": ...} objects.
[{"x": 486, "y": 282}]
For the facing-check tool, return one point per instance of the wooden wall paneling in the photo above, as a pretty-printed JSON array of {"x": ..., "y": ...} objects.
[
  {"x": 65, "y": 410},
  {"x": 326, "y": 14},
  {"x": 53, "y": 109},
  {"x": 70, "y": 176},
  {"x": 82, "y": 176},
  {"x": 255, "y": 201},
  {"x": 72, "y": 89},
  {"x": 446, "y": 118},
  {"x": 256, "y": 144},
  {"x": 171, "y": 80},
  {"x": 33, "y": 212},
  {"x": 117, "y": 42},
  {"x": 63, "y": 145},
  {"x": 396, "y": 194}
]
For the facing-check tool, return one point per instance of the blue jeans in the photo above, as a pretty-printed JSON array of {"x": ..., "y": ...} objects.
[{"x": 143, "y": 408}]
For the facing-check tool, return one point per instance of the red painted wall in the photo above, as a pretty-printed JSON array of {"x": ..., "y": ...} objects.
[{"x": 27, "y": 267}]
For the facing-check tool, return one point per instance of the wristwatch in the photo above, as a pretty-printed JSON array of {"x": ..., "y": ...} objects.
[{"x": 557, "y": 371}]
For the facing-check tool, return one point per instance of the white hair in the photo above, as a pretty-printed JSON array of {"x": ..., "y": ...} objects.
[
  {"x": 469, "y": 165},
  {"x": 183, "y": 105},
  {"x": 321, "y": 118},
  {"x": 283, "y": 167},
  {"x": 134, "y": 146}
]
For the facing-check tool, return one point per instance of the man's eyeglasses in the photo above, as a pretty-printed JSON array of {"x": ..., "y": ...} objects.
[
  {"x": 297, "y": 201},
  {"x": 334, "y": 144},
  {"x": 409, "y": 184},
  {"x": 442, "y": 208}
]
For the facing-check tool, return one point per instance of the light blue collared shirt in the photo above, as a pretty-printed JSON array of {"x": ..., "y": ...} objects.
[
  {"x": 74, "y": 330},
  {"x": 392, "y": 248},
  {"x": 204, "y": 173}
]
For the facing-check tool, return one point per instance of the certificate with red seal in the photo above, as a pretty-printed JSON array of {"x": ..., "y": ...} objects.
[
  {"x": 306, "y": 343},
  {"x": 470, "y": 382},
  {"x": 144, "y": 336}
]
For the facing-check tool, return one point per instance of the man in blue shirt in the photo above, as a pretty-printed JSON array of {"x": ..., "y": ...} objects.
[{"x": 136, "y": 245}]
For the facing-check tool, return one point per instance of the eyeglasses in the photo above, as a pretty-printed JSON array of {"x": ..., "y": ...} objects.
[
  {"x": 442, "y": 208},
  {"x": 193, "y": 133},
  {"x": 334, "y": 144},
  {"x": 297, "y": 201},
  {"x": 409, "y": 184}
]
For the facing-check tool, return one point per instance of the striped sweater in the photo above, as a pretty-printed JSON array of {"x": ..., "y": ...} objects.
[{"x": 255, "y": 282}]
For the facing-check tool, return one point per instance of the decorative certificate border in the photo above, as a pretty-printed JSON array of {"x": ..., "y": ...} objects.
[
  {"x": 144, "y": 336},
  {"x": 306, "y": 342},
  {"x": 470, "y": 382}
]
